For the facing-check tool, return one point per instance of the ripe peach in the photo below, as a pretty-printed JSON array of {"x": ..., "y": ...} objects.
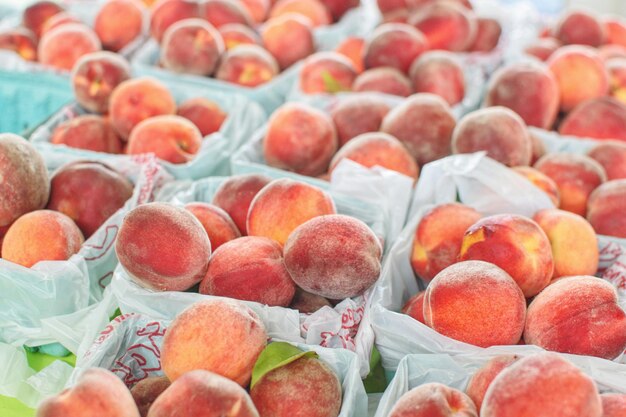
[
  {"x": 541, "y": 181},
  {"x": 602, "y": 118},
  {"x": 326, "y": 72},
  {"x": 440, "y": 73},
  {"x": 488, "y": 32},
  {"x": 397, "y": 16},
  {"x": 353, "y": 49},
  {"x": 58, "y": 19},
  {"x": 224, "y": 12},
  {"x": 63, "y": 46},
  {"x": 383, "y": 80},
  {"x": 415, "y": 307},
  {"x": 438, "y": 238},
  {"x": 307, "y": 303},
  {"x": 118, "y": 23},
  {"x": 543, "y": 48},
  {"x": 355, "y": 115},
  {"x": 446, "y": 25},
  {"x": 607, "y": 52},
  {"x": 35, "y": 16},
  {"x": 612, "y": 156},
  {"x": 167, "y": 12},
  {"x": 146, "y": 391},
  {"x": 163, "y": 247},
  {"x": 292, "y": 48},
  {"x": 257, "y": 9},
  {"x": 580, "y": 28},
  {"x": 89, "y": 132},
  {"x": 482, "y": 379},
  {"x": 235, "y": 34},
  {"x": 606, "y": 209},
  {"x": 392, "y": 5},
  {"x": 247, "y": 65},
  {"x": 205, "y": 114},
  {"x": 539, "y": 148},
  {"x": 314, "y": 10},
  {"x": 338, "y": 8},
  {"x": 216, "y": 222},
  {"x": 21, "y": 41},
  {"x": 613, "y": 405},
  {"x": 394, "y": 45},
  {"x": 434, "y": 399},
  {"x": 616, "y": 68},
  {"x": 615, "y": 31}
]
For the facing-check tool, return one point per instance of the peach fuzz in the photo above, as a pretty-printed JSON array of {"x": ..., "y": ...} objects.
[
  {"x": 602, "y": 118},
  {"x": 235, "y": 195},
  {"x": 434, "y": 400},
  {"x": 224, "y": 12},
  {"x": 35, "y": 16},
  {"x": 58, "y": 238},
  {"x": 95, "y": 76},
  {"x": 544, "y": 384},
  {"x": 578, "y": 315},
  {"x": 97, "y": 392},
  {"x": 607, "y": 52},
  {"x": 221, "y": 336},
  {"x": 355, "y": 115},
  {"x": 58, "y": 20},
  {"x": 314, "y": 10},
  {"x": 386, "y": 6},
  {"x": 573, "y": 240},
  {"x": 424, "y": 124},
  {"x": 438, "y": 237},
  {"x": 378, "y": 149},
  {"x": 118, "y": 23},
  {"x": 613, "y": 405},
  {"x": 292, "y": 48},
  {"x": 21, "y": 41},
  {"x": 257, "y": 9},
  {"x": 136, "y": 100},
  {"x": 25, "y": 185},
  {"x": 203, "y": 393},
  {"x": 167, "y": 12},
  {"x": 383, "y": 80},
  {"x": 616, "y": 68},
  {"x": 300, "y": 139},
  {"x": 235, "y": 34},
  {"x": 514, "y": 243},
  {"x": 482, "y": 379},
  {"x": 352, "y": 48},
  {"x": 580, "y": 74},
  {"x": 397, "y": 16},
  {"x": 146, "y": 391},
  {"x": 576, "y": 176},
  {"x": 488, "y": 32},
  {"x": 163, "y": 247},
  {"x": 543, "y": 48},
  {"x": 326, "y": 72},
  {"x": 205, "y": 114},
  {"x": 306, "y": 387},
  {"x": 615, "y": 31},
  {"x": 440, "y": 73},
  {"x": 541, "y": 181},
  {"x": 580, "y": 28},
  {"x": 446, "y": 25},
  {"x": 612, "y": 156},
  {"x": 606, "y": 209},
  {"x": 529, "y": 89},
  {"x": 248, "y": 66},
  {"x": 307, "y": 303},
  {"x": 63, "y": 46},
  {"x": 394, "y": 45},
  {"x": 338, "y": 8},
  {"x": 216, "y": 222},
  {"x": 89, "y": 132},
  {"x": 415, "y": 307},
  {"x": 321, "y": 261},
  {"x": 499, "y": 131}
]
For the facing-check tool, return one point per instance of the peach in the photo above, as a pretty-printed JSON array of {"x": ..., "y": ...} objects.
[
  {"x": 580, "y": 74},
  {"x": 95, "y": 76},
  {"x": 88, "y": 193},
  {"x": 497, "y": 130},
  {"x": 283, "y": 205},
  {"x": 397, "y": 16},
  {"x": 146, "y": 391},
  {"x": 248, "y": 66},
  {"x": 257, "y": 9},
  {"x": 171, "y": 138},
  {"x": 21, "y": 41},
  {"x": 488, "y": 32},
  {"x": 602, "y": 118},
  {"x": 89, "y": 132},
  {"x": 438, "y": 238},
  {"x": 25, "y": 185},
  {"x": 355, "y": 115},
  {"x": 314, "y": 10},
  {"x": 415, "y": 307},
  {"x": 434, "y": 400},
  {"x": 118, "y": 23},
  {"x": 306, "y": 387},
  {"x": 292, "y": 48},
  {"x": 383, "y": 80},
  {"x": 163, "y": 247},
  {"x": 250, "y": 268},
  {"x": 307, "y": 303},
  {"x": 424, "y": 124},
  {"x": 539, "y": 148},
  {"x": 482, "y": 379},
  {"x": 216, "y": 222},
  {"x": 35, "y": 16},
  {"x": 529, "y": 89},
  {"x": 338, "y": 8},
  {"x": 136, "y": 100},
  {"x": 191, "y": 46},
  {"x": 235, "y": 34},
  {"x": 607, "y": 52},
  {"x": 392, "y": 5},
  {"x": 613, "y": 405},
  {"x": 58, "y": 238},
  {"x": 220, "y": 336},
  {"x": 167, "y": 12},
  {"x": 616, "y": 68},
  {"x": 446, "y": 25},
  {"x": 378, "y": 149},
  {"x": 612, "y": 156},
  {"x": 352, "y": 48},
  {"x": 394, "y": 45},
  {"x": 59, "y": 19},
  {"x": 576, "y": 176},
  {"x": 224, "y": 12},
  {"x": 578, "y": 315},
  {"x": 615, "y": 31},
  {"x": 205, "y": 114},
  {"x": 541, "y": 181},
  {"x": 477, "y": 303},
  {"x": 203, "y": 393},
  {"x": 544, "y": 384},
  {"x": 326, "y": 72},
  {"x": 440, "y": 73},
  {"x": 606, "y": 209},
  {"x": 542, "y": 48},
  {"x": 322, "y": 261},
  {"x": 301, "y": 139},
  {"x": 580, "y": 28},
  {"x": 514, "y": 243},
  {"x": 235, "y": 195},
  {"x": 96, "y": 392},
  {"x": 63, "y": 46}
]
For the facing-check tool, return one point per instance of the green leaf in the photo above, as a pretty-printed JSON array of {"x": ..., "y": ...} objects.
[
  {"x": 275, "y": 355},
  {"x": 330, "y": 83},
  {"x": 375, "y": 381}
]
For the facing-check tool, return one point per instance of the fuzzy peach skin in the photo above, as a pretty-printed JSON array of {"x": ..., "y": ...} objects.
[
  {"x": 488, "y": 32},
  {"x": 118, "y": 23},
  {"x": 541, "y": 181},
  {"x": 576, "y": 176},
  {"x": 577, "y": 315},
  {"x": 606, "y": 209},
  {"x": 434, "y": 400},
  {"x": 440, "y": 73},
  {"x": 580, "y": 28},
  {"x": 438, "y": 238},
  {"x": 146, "y": 391},
  {"x": 205, "y": 394},
  {"x": 163, "y": 247},
  {"x": 424, "y": 124},
  {"x": 385, "y": 80},
  {"x": 58, "y": 20},
  {"x": 306, "y": 387},
  {"x": 21, "y": 41},
  {"x": 355, "y": 115},
  {"x": 221, "y": 336},
  {"x": 289, "y": 37},
  {"x": 236, "y": 194},
  {"x": 257, "y": 9},
  {"x": 352, "y": 48},
  {"x": 307, "y": 303},
  {"x": 250, "y": 268},
  {"x": 216, "y": 222},
  {"x": 580, "y": 74},
  {"x": 394, "y": 45},
  {"x": 322, "y": 261},
  {"x": 542, "y": 48},
  {"x": 529, "y": 89},
  {"x": 35, "y": 15},
  {"x": 300, "y": 138},
  {"x": 544, "y": 384},
  {"x": 615, "y": 31},
  {"x": 608, "y": 52},
  {"x": 326, "y": 72},
  {"x": 314, "y": 10},
  {"x": 602, "y": 118},
  {"x": 235, "y": 34},
  {"x": 539, "y": 148},
  {"x": 97, "y": 392},
  {"x": 205, "y": 114},
  {"x": 25, "y": 185},
  {"x": 89, "y": 132},
  {"x": 612, "y": 156},
  {"x": 514, "y": 243},
  {"x": 482, "y": 379},
  {"x": 616, "y": 68},
  {"x": 248, "y": 66},
  {"x": 95, "y": 76},
  {"x": 446, "y": 25},
  {"x": 63, "y": 46},
  {"x": 224, "y": 12},
  {"x": 167, "y": 12},
  {"x": 613, "y": 405},
  {"x": 415, "y": 307},
  {"x": 136, "y": 100}
]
